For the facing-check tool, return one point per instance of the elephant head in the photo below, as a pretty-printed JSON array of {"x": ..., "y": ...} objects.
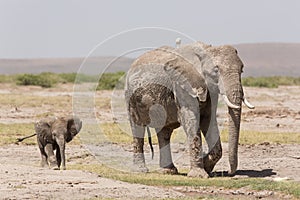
[
  {"x": 222, "y": 69},
  {"x": 74, "y": 125}
]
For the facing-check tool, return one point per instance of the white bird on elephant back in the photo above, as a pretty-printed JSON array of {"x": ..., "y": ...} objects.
[{"x": 171, "y": 87}]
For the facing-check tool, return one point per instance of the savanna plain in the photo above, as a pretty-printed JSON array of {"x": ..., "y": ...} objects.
[{"x": 269, "y": 159}]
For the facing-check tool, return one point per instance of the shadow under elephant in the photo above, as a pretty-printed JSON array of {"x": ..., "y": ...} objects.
[{"x": 249, "y": 173}]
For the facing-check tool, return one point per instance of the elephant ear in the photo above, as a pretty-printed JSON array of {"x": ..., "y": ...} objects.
[
  {"x": 74, "y": 125},
  {"x": 184, "y": 75}
]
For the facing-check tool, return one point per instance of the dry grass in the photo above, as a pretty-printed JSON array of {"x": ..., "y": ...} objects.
[
  {"x": 254, "y": 137},
  {"x": 158, "y": 179},
  {"x": 10, "y": 132},
  {"x": 120, "y": 133},
  {"x": 28, "y": 100}
]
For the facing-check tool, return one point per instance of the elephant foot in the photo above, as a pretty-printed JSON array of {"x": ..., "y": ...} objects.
[
  {"x": 169, "y": 170},
  {"x": 43, "y": 164},
  {"x": 197, "y": 172},
  {"x": 210, "y": 160},
  {"x": 53, "y": 165},
  {"x": 140, "y": 169},
  {"x": 55, "y": 168},
  {"x": 231, "y": 172},
  {"x": 139, "y": 163},
  {"x": 208, "y": 164}
]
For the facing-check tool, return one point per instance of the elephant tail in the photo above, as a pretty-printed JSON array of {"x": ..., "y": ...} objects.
[
  {"x": 23, "y": 138},
  {"x": 150, "y": 141}
]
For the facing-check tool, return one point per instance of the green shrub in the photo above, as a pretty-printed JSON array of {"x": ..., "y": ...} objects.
[
  {"x": 108, "y": 81},
  {"x": 270, "y": 82},
  {"x": 68, "y": 77},
  {"x": 44, "y": 79}
]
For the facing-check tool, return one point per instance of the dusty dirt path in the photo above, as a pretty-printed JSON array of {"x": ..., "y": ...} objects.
[{"x": 21, "y": 178}]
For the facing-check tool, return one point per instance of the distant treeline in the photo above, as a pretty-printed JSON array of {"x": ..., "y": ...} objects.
[{"x": 108, "y": 81}]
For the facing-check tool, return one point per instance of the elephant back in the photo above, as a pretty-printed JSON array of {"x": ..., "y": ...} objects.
[
  {"x": 43, "y": 130},
  {"x": 168, "y": 67}
]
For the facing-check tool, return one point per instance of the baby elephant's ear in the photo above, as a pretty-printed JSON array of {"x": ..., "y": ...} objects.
[{"x": 74, "y": 123}]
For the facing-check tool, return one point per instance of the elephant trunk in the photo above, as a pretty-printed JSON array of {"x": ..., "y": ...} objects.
[
  {"x": 234, "y": 132},
  {"x": 234, "y": 92}
]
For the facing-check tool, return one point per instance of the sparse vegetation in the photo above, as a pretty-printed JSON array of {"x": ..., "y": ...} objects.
[
  {"x": 44, "y": 79},
  {"x": 158, "y": 179},
  {"x": 118, "y": 133},
  {"x": 10, "y": 132},
  {"x": 255, "y": 137},
  {"x": 270, "y": 82},
  {"x": 7, "y": 78},
  {"x": 108, "y": 81}
]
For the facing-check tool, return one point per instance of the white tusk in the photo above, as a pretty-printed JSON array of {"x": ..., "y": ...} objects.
[
  {"x": 229, "y": 104},
  {"x": 248, "y": 104}
]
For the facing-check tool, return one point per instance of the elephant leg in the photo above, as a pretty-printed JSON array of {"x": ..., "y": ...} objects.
[
  {"x": 43, "y": 153},
  {"x": 138, "y": 133},
  {"x": 51, "y": 157},
  {"x": 212, "y": 137},
  {"x": 191, "y": 127},
  {"x": 61, "y": 152},
  {"x": 44, "y": 157},
  {"x": 165, "y": 156},
  {"x": 58, "y": 156}
]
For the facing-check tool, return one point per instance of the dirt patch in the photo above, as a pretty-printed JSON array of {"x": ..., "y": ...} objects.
[
  {"x": 277, "y": 110},
  {"x": 21, "y": 178}
]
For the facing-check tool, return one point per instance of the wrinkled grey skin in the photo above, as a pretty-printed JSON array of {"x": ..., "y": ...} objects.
[
  {"x": 164, "y": 90},
  {"x": 222, "y": 70},
  {"x": 53, "y": 134}
]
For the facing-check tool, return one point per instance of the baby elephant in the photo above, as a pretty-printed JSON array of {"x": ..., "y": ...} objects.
[{"x": 53, "y": 134}]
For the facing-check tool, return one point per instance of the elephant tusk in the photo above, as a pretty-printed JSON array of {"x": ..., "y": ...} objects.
[
  {"x": 229, "y": 104},
  {"x": 248, "y": 104}
]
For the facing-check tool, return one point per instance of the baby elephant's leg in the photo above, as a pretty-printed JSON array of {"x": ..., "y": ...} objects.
[
  {"x": 44, "y": 157},
  {"x": 51, "y": 157}
]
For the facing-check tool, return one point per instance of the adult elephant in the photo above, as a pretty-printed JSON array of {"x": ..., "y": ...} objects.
[
  {"x": 166, "y": 88},
  {"x": 222, "y": 69}
]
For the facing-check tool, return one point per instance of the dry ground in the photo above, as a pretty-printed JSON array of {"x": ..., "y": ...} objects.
[{"x": 277, "y": 110}]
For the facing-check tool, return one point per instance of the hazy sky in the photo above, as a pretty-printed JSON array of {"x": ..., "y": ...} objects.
[{"x": 58, "y": 28}]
